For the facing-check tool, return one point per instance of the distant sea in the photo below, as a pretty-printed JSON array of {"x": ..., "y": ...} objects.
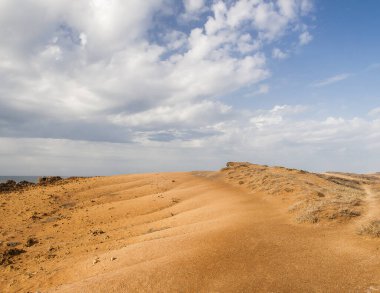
[{"x": 19, "y": 178}]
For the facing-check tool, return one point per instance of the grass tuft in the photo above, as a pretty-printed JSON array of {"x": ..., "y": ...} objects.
[{"x": 371, "y": 229}]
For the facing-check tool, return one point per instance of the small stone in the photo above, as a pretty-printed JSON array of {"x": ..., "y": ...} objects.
[
  {"x": 31, "y": 241},
  {"x": 96, "y": 260},
  {"x": 113, "y": 258},
  {"x": 320, "y": 194},
  {"x": 13, "y": 244},
  {"x": 97, "y": 232}
]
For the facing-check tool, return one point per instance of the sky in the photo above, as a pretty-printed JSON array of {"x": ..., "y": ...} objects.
[{"x": 101, "y": 87}]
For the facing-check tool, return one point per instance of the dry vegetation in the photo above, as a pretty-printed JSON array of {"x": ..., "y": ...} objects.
[
  {"x": 312, "y": 197},
  {"x": 363, "y": 178},
  {"x": 370, "y": 229},
  {"x": 371, "y": 225}
]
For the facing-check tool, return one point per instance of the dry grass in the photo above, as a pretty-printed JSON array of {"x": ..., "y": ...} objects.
[
  {"x": 313, "y": 197},
  {"x": 309, "y": 214},
  {"x": 371, "y": 229},
  {"x": 363, "y": 178}
]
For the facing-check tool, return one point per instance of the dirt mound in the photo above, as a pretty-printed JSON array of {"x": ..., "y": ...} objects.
[{"x": 312, "y": 197}]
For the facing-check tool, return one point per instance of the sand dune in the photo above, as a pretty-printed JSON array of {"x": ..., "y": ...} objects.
[{"x": 247, "y": 228}]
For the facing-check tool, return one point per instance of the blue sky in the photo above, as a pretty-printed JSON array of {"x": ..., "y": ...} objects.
[
  {"x": 108, "y": 86},
  {"x": 345, "y": 41}
]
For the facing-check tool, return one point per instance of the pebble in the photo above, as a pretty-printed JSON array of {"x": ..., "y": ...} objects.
[{"x": 96, "y": 260}]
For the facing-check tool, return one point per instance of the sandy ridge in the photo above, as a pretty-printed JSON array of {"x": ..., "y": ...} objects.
[{"x": 181, "y": 232}]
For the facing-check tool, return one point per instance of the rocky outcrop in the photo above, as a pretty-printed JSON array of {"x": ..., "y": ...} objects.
[
  {"x": 6, "y": 256},
  {"x": 11, "y": 186},
  {"x": 49, "y": 180},
  {"x": 8, "y": 186}
]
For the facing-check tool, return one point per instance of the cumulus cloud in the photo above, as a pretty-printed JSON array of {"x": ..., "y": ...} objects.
[
  {"x": 194, "y": 5},
  {"x": 125, "y": 86},
  {"x": 122, "y": 66},
  {"x": 305, "y": 38},
  {"x": 127, "y": 82},
  {"x": 279, "y": 54}
]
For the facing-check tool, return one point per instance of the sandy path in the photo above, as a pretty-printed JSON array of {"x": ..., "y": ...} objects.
[
  {"x": 372, "y": 200},
  {"x": 200, "y": 234},
  {"x": 373, "y": 203}
]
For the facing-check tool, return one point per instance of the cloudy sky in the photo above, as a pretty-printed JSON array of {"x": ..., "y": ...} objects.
[{"x": 97, "y": 87}]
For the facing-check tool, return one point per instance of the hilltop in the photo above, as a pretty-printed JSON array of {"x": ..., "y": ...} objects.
[{"x": 245, "y": 228}]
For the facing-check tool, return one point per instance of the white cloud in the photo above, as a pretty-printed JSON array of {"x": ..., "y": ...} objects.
[
  {"x": 260, "y": 90},
  {"x": 332, "y": 80},
  {"x": 305, "y": 38},
  {"x": 275, "y": 136},
  {"x": 194, "y": 114},
  {"x": 374, "y": 112},
  {"x": 193, "y": 10},
  {"x": 134, "y": 72},
  {"x": 275, "y": 115},
  {"x": 278, "y": 54},
  {"x": 194, "y": 5},
  {"x": 93, "y": 59},
  {"x": 263, "y": 89}
]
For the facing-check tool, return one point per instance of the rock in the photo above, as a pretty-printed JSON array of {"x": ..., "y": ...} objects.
[
  {"x": 320, "y": 194},
  {"x": 13, "y": 244},
  {"x": 97, "y": 232},
  {"x": 175, "y": 200},
  {"x": 113, "y": 258},
  {"x": 7, "y": 255},
  {"x": 31, "y": 241},
  {"x": 96, "y": 260},
  {"x": 11, "y": 186},
  {"x": 8, "y": 186},
  {"x": 49, "y": 180},
  {"x": 24, "y": 183},
  {"x": 52, "y": 249},
  {"x": 236, "y": 164},
  {"x": 35, "y": 216},
  {"x": 11, "y": 182}
]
